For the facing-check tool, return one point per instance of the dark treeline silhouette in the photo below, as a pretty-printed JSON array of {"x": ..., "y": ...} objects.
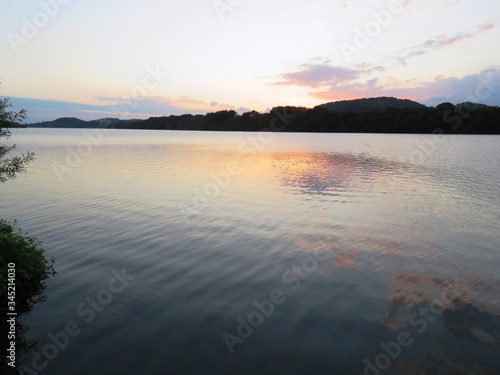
[{"x": 396, "y": 116}]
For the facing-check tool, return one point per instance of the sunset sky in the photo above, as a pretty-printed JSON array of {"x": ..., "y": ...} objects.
[{"x": 134, "y": 59}]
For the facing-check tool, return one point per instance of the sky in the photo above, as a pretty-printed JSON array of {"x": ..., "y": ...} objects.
[{"x": 136, "y": 59}]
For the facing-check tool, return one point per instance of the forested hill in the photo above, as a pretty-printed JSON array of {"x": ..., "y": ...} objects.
[
  {"x": 371, "y": 104},
  {"x": 375, "y": 115}
]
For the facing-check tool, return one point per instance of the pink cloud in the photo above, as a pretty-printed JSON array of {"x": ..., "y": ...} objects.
[
  {"x": 319, "y": 75},
  {"x": 440, "y": 41},
  {"x": 324, "y": 75}
]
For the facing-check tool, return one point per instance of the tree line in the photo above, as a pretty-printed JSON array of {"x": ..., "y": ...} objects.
[{"x": 465, "y": 118}]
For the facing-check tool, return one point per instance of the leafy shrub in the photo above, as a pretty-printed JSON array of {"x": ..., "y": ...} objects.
[{"x": 31, "y": 265}]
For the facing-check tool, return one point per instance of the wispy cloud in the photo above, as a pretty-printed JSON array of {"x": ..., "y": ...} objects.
[
  {"x": 438, "y": 42},
  {"x": 407, "y": 3},
  {"x": 453, "y": 3},
  {"x": 319, "y": 75}
]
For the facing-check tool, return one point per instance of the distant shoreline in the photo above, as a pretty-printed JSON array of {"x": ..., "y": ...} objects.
[
  {"x": 374, "y": 115},
  {"x": 257, "y": 131}
]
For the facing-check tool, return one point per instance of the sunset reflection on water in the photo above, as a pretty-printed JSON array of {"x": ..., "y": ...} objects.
[{"x": 391, "y": 247}]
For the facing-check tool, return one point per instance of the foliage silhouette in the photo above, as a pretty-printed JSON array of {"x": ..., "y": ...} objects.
[
  {"x": 32, "y": 268},
  {"x": 9, "y": 167}
]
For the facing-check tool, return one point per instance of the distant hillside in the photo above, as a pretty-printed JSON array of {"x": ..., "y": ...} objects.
[
  {"x": 371, "y": 104},
  {"x": 73, "y": 122}
]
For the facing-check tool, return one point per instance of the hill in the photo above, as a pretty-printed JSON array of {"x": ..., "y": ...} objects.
[
  {"x": 371, "y": 104},
  {"x": 73, "y": 122}
]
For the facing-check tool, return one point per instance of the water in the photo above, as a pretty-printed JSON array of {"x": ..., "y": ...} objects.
[{"x": 347, "y": 243}]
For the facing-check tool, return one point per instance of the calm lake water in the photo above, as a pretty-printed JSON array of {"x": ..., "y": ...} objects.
[{"x": 226, "y": 253}]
